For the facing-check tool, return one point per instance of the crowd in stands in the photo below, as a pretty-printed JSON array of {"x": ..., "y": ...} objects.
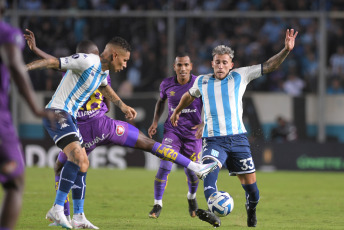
[{"x": 254, "y": 40}]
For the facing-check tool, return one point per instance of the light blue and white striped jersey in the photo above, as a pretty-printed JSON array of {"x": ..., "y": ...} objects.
[
  {"x": 222, "y": 100},
  {"x": 84, "y": 75}
]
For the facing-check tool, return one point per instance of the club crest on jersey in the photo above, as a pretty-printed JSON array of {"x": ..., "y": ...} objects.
[
  {"x": 75, "y": 56},
  {"x": 120, "y": 130},
  {"x": 168, "y": 141},
  {"x": 204, "y": 82},
  {"x": 172, "y": 93}
]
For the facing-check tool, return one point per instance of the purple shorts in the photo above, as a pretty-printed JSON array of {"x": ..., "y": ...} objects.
[
  {"x": 190, "y": 148},
  {"x": 106, "y": 131},
  {"x": 10, "y": 151}
]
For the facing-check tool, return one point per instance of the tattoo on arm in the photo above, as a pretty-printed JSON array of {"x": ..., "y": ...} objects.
[
  {"x": 111, "y": 96},
  {"x": 274, "y": 62}
]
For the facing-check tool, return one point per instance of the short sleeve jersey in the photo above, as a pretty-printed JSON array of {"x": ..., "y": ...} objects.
[
  {"x": 94, "y": 107},
  {"x": 171, "y": 90},
  {"x": 83, "y": 77},
  {"x": 222, "y": 100},
  {"x": 8, "y": 35}
]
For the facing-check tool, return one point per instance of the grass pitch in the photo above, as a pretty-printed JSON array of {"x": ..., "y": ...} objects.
[{"x": 121, "y": 199}]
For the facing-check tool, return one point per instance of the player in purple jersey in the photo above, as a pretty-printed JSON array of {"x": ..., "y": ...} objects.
[
  {"x": 184, "y": 138},
  {"x": 11, "y": 154},
  {"x": 114, "y": 58},
  {"x": 224, "y": 136}
]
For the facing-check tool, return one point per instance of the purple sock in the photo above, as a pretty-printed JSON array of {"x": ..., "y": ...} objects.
[
  {"x": 168, "y": 154},
  {"x": 160, "y": 182},
  {"x": 193, "y": 180},
  {"x": 66, "y": 203}
]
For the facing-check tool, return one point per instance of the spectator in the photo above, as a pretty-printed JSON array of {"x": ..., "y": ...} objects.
[
  {"x": 284, "y": 131},
  {"x": 335, "y": 87},
  {"x": 293, "y": 85}
]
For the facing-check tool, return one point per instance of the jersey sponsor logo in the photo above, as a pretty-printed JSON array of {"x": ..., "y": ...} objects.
[
  {"x": 96, "y": 140},
  {"x": 75, "y": 56},
  {"x": 172, "y": 93},
  {"x": 186, "y": 110},
  {"x": 214, "y": 153},
  {"x": 65, "y": 60},
  {"x": 168, "y": 141},
  {"x": 204, "y": 82},
  {"x": 120, "y": 130},
  {"x": 90, "y": 113}
]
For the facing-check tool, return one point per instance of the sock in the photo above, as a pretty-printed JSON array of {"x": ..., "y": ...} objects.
[
  {"x": 159, "y": 202},
  {"x": 66, "y": 203},
  {"x": 168, "y": 154},
  {"x": 78, "y": 192},
  {"x": 62, "y": 157},
  {"x": 210, "y": 181},
  {"x": 252, "y": 194},
  {"x": 160, "y": 182},
  {"x": 67, "y": 178},
  {"x": 191, "y": 196},
  {"x": 192, "y": 180}
]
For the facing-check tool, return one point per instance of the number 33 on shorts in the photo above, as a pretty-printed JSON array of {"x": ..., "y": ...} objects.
[{"x": 247, "y": 164}]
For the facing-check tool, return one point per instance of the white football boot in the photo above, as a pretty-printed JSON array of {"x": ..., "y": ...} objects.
[
  {"x": 58, "y": 217},
  {"x": 205, "y": 170},
  {"x": 54, "y": 224},
  {"x": 79, "y": 221}
]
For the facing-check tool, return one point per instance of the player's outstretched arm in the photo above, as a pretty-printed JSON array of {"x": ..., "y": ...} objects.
[
  {"x": 274, "y": 62},
  {"x": 110, "y": 94},
  {"x": 185, "y": 101},
  {"x": 31, "y": 42},
  {"x": 13, "y": 59},
  {"x": 51, "y": 63},
  {"x": 159, "y": 109}
]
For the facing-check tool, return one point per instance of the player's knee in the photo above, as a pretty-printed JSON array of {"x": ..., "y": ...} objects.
[{"x": 16, "y": 184}]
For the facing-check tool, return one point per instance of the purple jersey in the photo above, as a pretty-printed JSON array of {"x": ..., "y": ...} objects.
[
  {"x": 10, "y": 147},
  {"x": 12, "y": 35},
  {"x": 171, "y": 90},
  {"x": 94, "y": 107}
]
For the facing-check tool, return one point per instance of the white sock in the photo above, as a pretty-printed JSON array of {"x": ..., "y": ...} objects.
[
  {"x": 194, "y": 166},
  {"x": 68, "y": 218},
  {"x": 191, "y": 196},
  {"x": 159, "y": 202}
]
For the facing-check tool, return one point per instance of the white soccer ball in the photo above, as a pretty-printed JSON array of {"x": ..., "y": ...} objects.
[{"x": 220, "y": 203}]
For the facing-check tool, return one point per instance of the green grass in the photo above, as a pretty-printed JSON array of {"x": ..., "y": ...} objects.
[{"x": 121, "y": 199}]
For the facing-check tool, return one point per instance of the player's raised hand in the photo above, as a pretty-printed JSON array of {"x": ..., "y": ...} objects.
[
  {"x": 152, "y": 129},
  {"x": 199, "y": 130},
  {"x": 290, "y": 39},
  {"x": 30, "y": 39},
  {"x": 174, "y": 119},
  {"x": 129, "y": 112}
]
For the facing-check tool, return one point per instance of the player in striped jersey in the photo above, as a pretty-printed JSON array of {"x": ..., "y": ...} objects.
[
  {"x": 224, "y": 139},
  {"x": 87, "y": 72}
]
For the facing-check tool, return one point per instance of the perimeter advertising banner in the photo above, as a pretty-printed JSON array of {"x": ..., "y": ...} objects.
[{"x": 267, "y": 156}]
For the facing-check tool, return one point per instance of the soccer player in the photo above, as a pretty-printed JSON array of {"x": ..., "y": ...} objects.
[
  {"x": 93, "y": 125},
  {"x": 185, "y": 138},
  {"x": 85, "y": 73},
  {"x": 11, "y": 154},
  {"x": 224, "y": 139}
]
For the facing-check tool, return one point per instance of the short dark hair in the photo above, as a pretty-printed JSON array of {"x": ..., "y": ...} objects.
[
  {"x": 85, "y": 46},
  {"x": 121, "y": 42},
  {"x": 182, "y": 54}
]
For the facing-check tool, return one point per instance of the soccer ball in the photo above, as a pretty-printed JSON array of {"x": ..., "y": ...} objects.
[{"x": 220, "y": 203}]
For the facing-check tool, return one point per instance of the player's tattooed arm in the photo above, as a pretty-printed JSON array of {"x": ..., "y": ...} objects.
[
  {"x": 51, "y": 63},
  {"x": 110, "y": 94},
  {"x": 274, "y": 62}
]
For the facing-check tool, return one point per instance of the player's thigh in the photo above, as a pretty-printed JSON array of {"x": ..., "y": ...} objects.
[
  {"x": 11, "y": 158},
  {"x": 64, "y": 130},
  {"x": 239, "y": 159},
  {"x": 214, "y": 148},
  {"x": 192, "y": 149}
]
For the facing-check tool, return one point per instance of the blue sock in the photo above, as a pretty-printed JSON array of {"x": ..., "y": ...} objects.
[
  {"x": 67, "y": 178},
  {"x": 252, "y": 194},
  {"x": 78, "y": 192},
  {"x": 210, "y": 181}
]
